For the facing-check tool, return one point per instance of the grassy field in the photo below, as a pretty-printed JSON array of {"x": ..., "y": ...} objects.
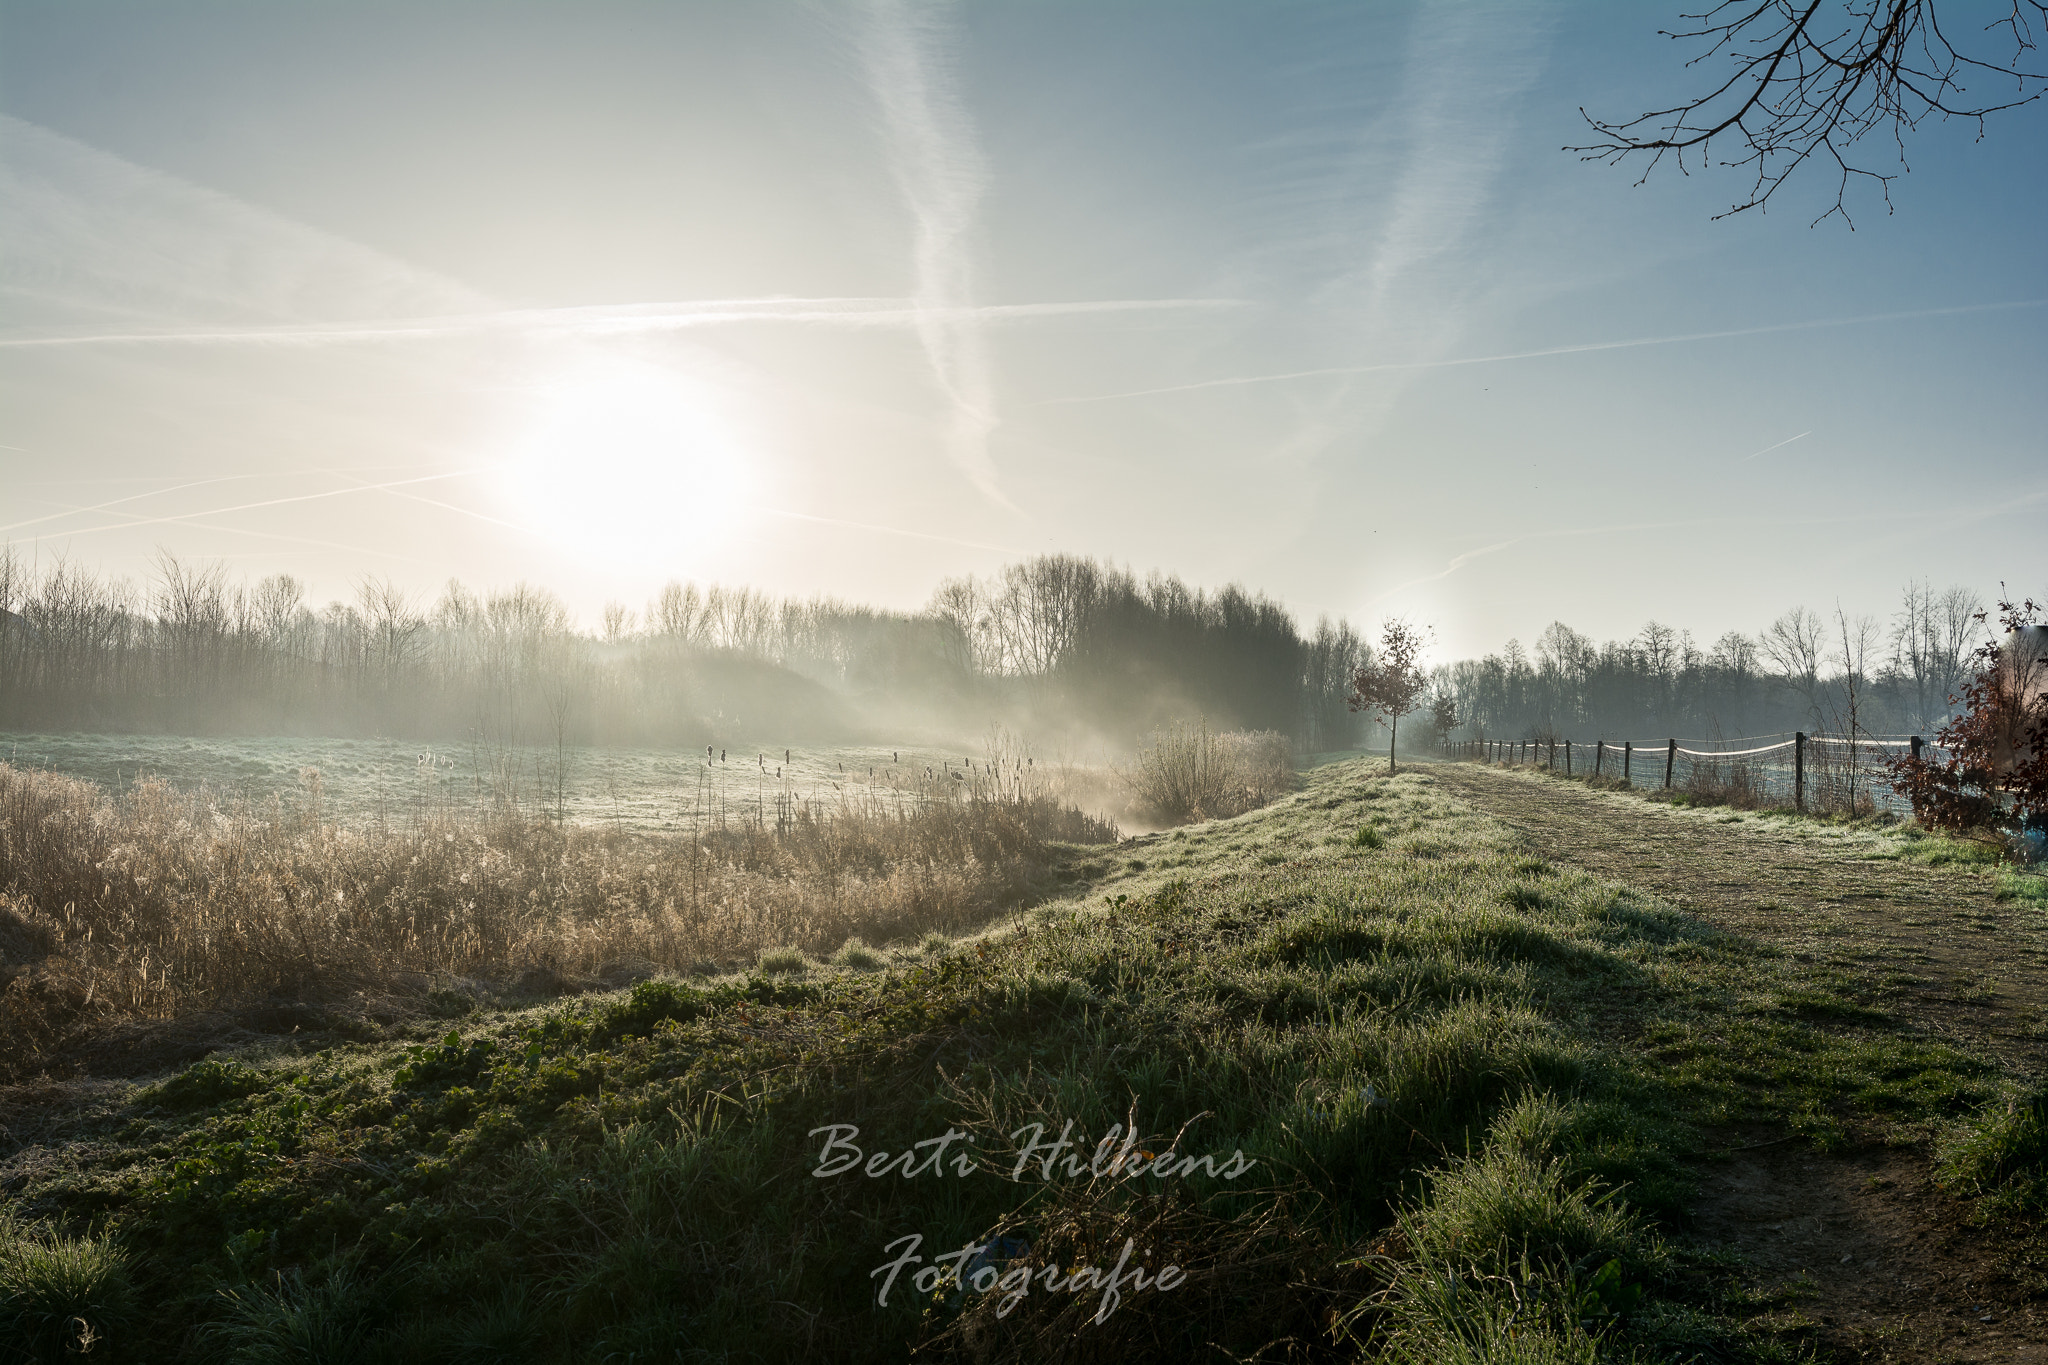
[{"x": 1458, "y": 1100}]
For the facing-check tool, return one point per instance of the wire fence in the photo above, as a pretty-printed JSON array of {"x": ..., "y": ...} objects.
[{"x": 1816, "y": 772}]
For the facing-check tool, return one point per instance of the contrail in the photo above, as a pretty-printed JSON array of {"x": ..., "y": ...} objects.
[
  {"x": 1579, "y": 349},
  {"x": 470, "y": 512},
  {"x": 132, "y": 497},
  {"x": 940, "y": 172},
  {"x": 134, "y": 522},
  {"x": 1768, "y": 449},
  {"x": 1460, "y": 561},
  {"x": 609, "y": 320}
]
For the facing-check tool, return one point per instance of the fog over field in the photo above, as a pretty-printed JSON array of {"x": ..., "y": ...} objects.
[{"x": 1023, "y": 681}]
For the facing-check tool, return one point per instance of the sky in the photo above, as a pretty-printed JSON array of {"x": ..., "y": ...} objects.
[{"x": 852, "y": 298}]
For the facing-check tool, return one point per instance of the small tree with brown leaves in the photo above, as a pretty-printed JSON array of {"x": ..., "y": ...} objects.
[
  {"x": 1393, "y": 684},
  {"x": 1996, "y": 771}
]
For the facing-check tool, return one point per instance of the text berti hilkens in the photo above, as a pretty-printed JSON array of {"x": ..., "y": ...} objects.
[{"x": 1002, "y": 1266}]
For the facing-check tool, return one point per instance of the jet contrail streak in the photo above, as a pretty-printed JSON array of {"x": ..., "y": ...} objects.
[
  {"x": 132, "y": 497},
  {"x": 247, "y": 506},
  {"x": 1460, "y": 561},
  {"x": 619, "y": 321},
  {"x": 1768, "y": 449},
  {"x": 445, "y": 506},
  {"x": 1580, "y": 349}
]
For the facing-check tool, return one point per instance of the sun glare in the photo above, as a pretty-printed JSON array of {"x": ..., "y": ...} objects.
[{"x": 627, "y": 462}]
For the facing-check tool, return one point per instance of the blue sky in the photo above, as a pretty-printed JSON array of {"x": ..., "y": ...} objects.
[{"x": 850, "y": 298}]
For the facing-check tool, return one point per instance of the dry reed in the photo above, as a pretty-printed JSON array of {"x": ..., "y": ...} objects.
[{"x": 160, "y": 905}]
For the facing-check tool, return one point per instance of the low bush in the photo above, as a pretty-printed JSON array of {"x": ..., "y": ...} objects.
[{"x": 1189, "y": 772}]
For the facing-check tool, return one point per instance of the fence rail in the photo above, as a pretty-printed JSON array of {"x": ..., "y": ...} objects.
[{"x": 1825, "y": 772}]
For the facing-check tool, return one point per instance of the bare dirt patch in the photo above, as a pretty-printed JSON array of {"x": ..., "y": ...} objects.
[
  {"x": 1864, "y": 1256},
  {"x": 1931, "y": 945}
]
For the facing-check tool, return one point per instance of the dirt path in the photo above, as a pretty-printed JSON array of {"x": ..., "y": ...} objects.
[
  {"x": 1865, "y": 1256},
  {"x": 1933, "y": 944}
]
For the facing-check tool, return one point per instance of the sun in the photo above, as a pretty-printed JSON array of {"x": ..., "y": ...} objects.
[{"x": 628, "y": 462}]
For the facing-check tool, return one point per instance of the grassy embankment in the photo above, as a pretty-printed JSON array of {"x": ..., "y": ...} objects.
[{"x": 1475, "y": 1087}]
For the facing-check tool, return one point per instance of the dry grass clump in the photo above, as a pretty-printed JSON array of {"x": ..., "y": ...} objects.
[
  {"x": 1739, "y": 782},
  {"x": 1189, "y": 772},
  {"x": 159, "y": 905}
]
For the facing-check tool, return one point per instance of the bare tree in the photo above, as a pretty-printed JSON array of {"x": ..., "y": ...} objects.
[
  {"x": 392, "y": 625},
  {"x": 618, "y": 622},
  {"x": 1855, "y": 641},
  {"x": 1812, "y": 78},
  {"x": 1793, "y": 644},
  {"x": 1931, "y": 638}
]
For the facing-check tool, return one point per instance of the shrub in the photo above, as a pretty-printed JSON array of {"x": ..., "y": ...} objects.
[
  {"x": 651, "y": 1003},
  {"x": 1996, "y": 772},
  {"x": 1190, "y": 772}
]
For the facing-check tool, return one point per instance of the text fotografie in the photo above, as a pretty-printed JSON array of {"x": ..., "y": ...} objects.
[{"x": 1013, "y": 1282}]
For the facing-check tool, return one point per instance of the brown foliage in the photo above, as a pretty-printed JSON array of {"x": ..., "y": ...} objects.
[
  {"x": 1996, "y": 772},
  {"x": 1393, "y": 684}
]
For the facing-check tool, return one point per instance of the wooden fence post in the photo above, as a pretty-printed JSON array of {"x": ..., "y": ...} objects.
[
  {"x": 1599, "y": 755},
  {"x": 1799, "y": 769},
  {"x": 1916, "y": 748},
  {"x": 1628, "y": 759},
  {"x": 1567, "y": 758},
  {"x": 1670, "y": 761}
]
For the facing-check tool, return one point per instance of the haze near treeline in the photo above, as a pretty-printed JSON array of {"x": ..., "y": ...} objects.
[{"x": 1059, "y": 650}]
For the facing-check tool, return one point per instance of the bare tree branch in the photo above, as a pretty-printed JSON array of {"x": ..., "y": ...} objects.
[{"x": 1808, "y": 86}]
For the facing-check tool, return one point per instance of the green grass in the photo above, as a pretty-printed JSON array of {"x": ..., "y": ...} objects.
[{"x": 1452, "y": 1065}]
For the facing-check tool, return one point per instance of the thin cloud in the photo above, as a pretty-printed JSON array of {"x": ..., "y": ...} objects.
[
  {"x": 1389, "y": 219},
  {"x": 939, "y": 170},
  {"x": 1578, "y": 349},
  {"x": 114, "y": 239},
  {"x": 622, "y": 320}
]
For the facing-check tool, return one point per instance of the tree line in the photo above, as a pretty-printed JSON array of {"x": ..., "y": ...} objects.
[
  {"x": 1059, "y": 644},
  {"x": 1807, "y": 670}
]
